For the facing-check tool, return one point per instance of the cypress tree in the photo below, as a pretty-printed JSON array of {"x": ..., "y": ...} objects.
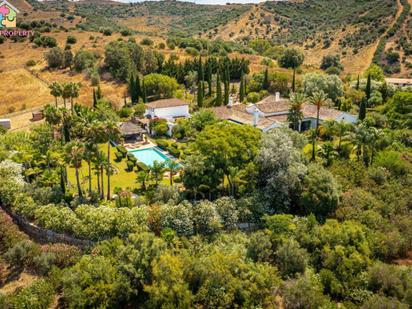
[
  {"x": 242, "y": 88},
  {"x": 201, "y": 78},
  {"x": 200, "y": 94},
  {"x": 94, "y": 98},
  {"x": 227, "y": 87},
  {"x": 209, "y": 78},
  {"x": 294, "y": 80},
  {"x": 138, "y": 89},
  {"x": 144, "y": 96},
  {"x": 266, "y": 80},
  {"x": 132, "y": 89},
  {"x": 362, "y": 109},
  {"x": 368, "y": 89},
  {"x": 99, "y": 93},
  {"x": 218, "y": 90},
  {"x": 358, "y": 83}
]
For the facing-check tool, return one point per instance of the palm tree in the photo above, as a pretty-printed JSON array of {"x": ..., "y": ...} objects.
[
  {"x": 55, "y": 90},
  {"x": 365, "y": 139},
  {"x": 318, "y": 99},
  {"x": 327, "y": 151},
  {"x": 111, "y": 133},
  {"x": 141, "y": 178},
  {"x": 173, "y": 167},
  {"x": 75, "y": 151},
  {"x": 74, "y": 92},
  {"x": 99, "y": 162},
  {"x": 66, "y": 92},
  {"x": 157, "y": 171},
  {"x": 341, "y": 129},
  {"x": 312, "y": 138},
  {"x": 295, "y": 114}
]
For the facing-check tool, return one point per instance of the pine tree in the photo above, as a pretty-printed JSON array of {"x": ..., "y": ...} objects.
[
  {"x": 218, "y": 101},
  {"x": 144, "y": 96},
  {"x": 266, "y": 83},
  {"x": 358, "y": 83},
  {"x": 242, "y": 88},
  {"x": 138, "y": 89},
  {"x": 94, "y": 98},
  {"x": 368, "y": 89},
  {"x": 362, "y": 109}
]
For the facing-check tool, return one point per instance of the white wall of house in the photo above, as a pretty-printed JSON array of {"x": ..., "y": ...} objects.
[
  {"x": 347, "y": 118},
  {"x": 169, "y": 112},
  {"x": 5, "y": 123}
]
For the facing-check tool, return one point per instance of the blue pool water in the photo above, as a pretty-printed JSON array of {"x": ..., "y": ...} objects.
[{"x": 149, "y": 155}]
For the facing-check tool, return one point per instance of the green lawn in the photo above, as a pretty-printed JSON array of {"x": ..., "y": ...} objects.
[{"x": 122, "y": 178}]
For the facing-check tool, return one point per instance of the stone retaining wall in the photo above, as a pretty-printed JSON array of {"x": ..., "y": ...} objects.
[{"x": 46, "y": 236}]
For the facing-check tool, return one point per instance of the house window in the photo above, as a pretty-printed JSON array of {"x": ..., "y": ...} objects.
[{"x": 306, "y": 125}]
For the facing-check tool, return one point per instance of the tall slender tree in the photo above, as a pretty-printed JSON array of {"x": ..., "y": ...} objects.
[
  {"x": 368, "y": 89},
  {"x": 138, "y": 88},
  {"x": 358, "y": 83},
  {"x": 94, "y": 98},
  {"x": 227, "y": 87},
  {"x": 242, "y": 92},
  {"x": 295, "y": 114},
  {"x": 132, "y": 89},
  {"x": 56, "y": 90},
  {"x": 218, "y": 101},
  {"x": 318, "y": 99},
  {"x": 266, "y": 82},
  {"x": 112, "y": 133},
  {"x": 209, "y": 78},
  {"x": 144, "y": 95},
  {"x": 99, "y": 93},
  {"x": 362, "y": 109},
  {"x": 75, "y": 152}
]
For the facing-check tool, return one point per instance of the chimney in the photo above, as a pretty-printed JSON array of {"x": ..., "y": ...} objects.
[
  {"x": 277, "y": 96},
  {"x": 255, "y": 117}
]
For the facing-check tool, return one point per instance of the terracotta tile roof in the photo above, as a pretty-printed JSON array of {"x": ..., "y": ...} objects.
[
  {"x": 237, "y": 113},
  {"x": 326, "y": 113},
  {"x": 279, "y": 118},
  {"x": 406, "y": 81},
  {"x": 269, "y": 105},
  {"x": 129, "y": 128},
  {"x": 166, "y": 103}
]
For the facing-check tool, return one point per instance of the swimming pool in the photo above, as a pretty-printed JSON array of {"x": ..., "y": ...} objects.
[{"x": 149, "y": 155}]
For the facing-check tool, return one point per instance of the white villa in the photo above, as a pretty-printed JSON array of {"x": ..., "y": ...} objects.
[
  {"x": 399, "y": 82},
  {"x": 272, "y": 112},
  {"x": 169, "y": 109}
]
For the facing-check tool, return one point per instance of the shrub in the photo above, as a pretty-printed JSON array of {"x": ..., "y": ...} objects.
[
  {"x": 38, "y": 295},
  {"x": 206, "y": 218},
  {"x": 43, "y": 262},
  {"x": 142, "y": 167},
  {"x": 122, "y": 150},
  {"x": 392, "y": 161},
  {"x": 71, "y": 39},
  {"x": 31, "y": 63},
  {"x": 146, "y": 41},
  {"x": 21, "y": 255}
]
